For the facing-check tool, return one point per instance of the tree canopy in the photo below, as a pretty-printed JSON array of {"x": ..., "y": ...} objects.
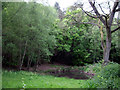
[{"x": 35, "y": 33}]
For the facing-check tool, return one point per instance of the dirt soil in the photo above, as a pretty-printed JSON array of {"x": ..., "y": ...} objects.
[{"x": 47, "y": 67}]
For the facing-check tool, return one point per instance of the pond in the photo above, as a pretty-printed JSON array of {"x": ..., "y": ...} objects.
[{"x": 71, "y": 73}]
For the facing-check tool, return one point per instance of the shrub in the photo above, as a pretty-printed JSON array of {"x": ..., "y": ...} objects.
[
  {"x": 94, "y": 68},
  {"x": 111, "y": 70},
  {"x": 108, "y": 77}
]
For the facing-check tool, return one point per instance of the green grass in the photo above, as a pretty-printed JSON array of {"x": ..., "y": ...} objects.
[
  {"x": 23, "y": 79},
  {"x": 106, "y": 77}
]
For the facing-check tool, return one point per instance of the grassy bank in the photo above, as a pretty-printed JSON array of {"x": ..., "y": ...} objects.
[
  {"x": 32, "y": 80},
  {"x": 105, "y": 77}
]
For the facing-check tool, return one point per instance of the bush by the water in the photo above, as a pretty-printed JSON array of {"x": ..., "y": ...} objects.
[
  {"x": 111, "y": 70},
  {"x": 108, "y": 76}
]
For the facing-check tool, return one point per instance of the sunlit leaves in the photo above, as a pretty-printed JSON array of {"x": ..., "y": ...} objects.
[{"x": 79, "y": 39}]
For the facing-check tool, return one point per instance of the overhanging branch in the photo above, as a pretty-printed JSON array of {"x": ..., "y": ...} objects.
[{"x": 115, "y": 29}]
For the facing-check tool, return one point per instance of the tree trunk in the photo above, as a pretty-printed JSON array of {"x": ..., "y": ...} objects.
[
  {"x": 36, "y": 65},
  {"x": 28, "y": 63},
  {"x": 20, "y": 56},
  {"x": 23, "y": 56},
  {"x": 106, "y": 50}
]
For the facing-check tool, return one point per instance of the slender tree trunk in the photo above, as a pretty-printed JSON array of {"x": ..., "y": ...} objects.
[
  {"x": 28, "y": 63},
  {"x": 106, "y": 50},
  {"x": 20, "y": 56},
  {"x": 36, "y": 65},
  {"x": 23, "y": 56},
  {"x": 118, "y": 22},
  {"x": 38, "y": 60}
]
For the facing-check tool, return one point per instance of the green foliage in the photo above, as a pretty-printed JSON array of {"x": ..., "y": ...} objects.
[
  {"x": 80, "y": 40},
  {"x": 35, "y": 24},
  {"x": 31, "y": 23},
  {"x": 107, "y": 76},
  {"x": 115, "y": 49},
  {"x": 113, "y": 70}
]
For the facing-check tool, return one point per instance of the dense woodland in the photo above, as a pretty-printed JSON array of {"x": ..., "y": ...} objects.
[{"x": 34, "y": 34}]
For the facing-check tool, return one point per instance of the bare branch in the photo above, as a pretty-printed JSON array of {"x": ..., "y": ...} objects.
[
  {"x": 113, "y": 12},
  {"x": 109, "y": 7},
  {"x": 115, "y": 29},
  {"x": 89, "y": 14},
  {"x": 101, "y": 9},
  {"x": 78, "y": 22},
  {"x": 96, "y": 12}
]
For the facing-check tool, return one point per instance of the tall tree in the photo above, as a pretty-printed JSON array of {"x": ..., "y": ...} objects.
[{"x": 106, "y": 21}]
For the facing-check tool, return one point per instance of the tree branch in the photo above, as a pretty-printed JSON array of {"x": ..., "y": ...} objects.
[
  {"x": 113, "y": 12},
  {"x": 87, "y": 23},
  {"x": 89, "y": 14},
  {"x": 101, "y": 9},
  {"x": 97, "y": 13},
  {"x": 117, "y": 10},
  {"x": 115, "y": 29},
  {"x": 78, "y": 22},
  {"x": 109, "y": 7}
]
